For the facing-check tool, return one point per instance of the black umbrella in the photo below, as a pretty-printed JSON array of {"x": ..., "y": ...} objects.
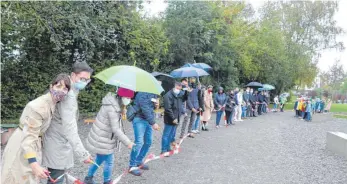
[
  {"x": 254, "y": 84},
  {"x": 155, "y": 74},
  {"x": 167, "y": 81}
]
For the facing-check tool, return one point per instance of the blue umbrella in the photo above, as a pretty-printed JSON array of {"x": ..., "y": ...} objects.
[
  {"x": 187, "y": 65},
  {"x": 188, "y": 72},
  {"x": 203, "y": 66}
]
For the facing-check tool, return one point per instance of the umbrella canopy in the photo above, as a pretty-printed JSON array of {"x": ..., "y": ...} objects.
[
  {"x": 130, "y": 77},
  {"x": 203, "y": 66},
  {"x": 167, "y": 81},
  {"x": 156, "y": 74},
  {"x": 188, "y": 72},
  {"x": 254, "y": 84},
  {"x": 268, "y": 87}
]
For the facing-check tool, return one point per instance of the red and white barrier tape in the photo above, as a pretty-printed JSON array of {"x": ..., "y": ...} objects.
[{"x": 152, "y": 157}]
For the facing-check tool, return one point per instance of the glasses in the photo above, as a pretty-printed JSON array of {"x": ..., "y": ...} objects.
[{"x": 85, "y": 80}]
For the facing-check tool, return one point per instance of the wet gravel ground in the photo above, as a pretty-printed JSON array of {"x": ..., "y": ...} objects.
[{"x": 273, "y": 148}]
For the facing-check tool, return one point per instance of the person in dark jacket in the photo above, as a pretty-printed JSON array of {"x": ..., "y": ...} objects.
[
  {"x": 260, "y": 103},
  {"x": 196, "y": 124},
  {"x": 253, "y": 101},
  {"x": 143, "y": 124},
  {"x": 246, "y": 99},
  {"x": 192, "y": 109},
  {"x": 173, "y": 101},
  {"x": 220, "y": 100},
  {"x": 230, "y": 108}
]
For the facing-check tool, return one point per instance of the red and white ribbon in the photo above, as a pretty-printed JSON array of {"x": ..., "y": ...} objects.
[
  {"x": 71, "y": 179},
  {"x": 152, "y": 157}
]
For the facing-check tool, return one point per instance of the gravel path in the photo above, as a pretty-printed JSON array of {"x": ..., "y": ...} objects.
[{"x": 273, "y": 148}]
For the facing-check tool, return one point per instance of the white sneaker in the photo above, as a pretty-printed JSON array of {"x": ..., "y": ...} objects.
[
  {"x": 240, "y": 120},
  {"x": 194, "y": 131}
]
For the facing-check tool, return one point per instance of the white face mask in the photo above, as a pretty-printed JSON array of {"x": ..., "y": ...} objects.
[
  {"x": 126, "y": 101},
  {"x": 176, "y": 91}
]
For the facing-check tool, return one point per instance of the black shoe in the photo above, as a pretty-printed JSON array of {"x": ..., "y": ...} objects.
[{"x": 89, "y": 180}]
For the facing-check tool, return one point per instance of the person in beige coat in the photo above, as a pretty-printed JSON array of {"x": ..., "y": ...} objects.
[
  {"x": 22, "y": 155},
  {"x": 209, "y": 106},
  {"x": 106, "y": 133},
  {"x": 61, "y": 141}
]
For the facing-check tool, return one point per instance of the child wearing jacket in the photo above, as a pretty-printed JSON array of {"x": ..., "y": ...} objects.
[{"x": 106, "y": 133}]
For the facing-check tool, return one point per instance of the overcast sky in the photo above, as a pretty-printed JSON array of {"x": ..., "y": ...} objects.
[{"x": 328, "y": 56}]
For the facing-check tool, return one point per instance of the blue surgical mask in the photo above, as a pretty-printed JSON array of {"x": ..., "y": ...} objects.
[{"x": 80, "y": 85}]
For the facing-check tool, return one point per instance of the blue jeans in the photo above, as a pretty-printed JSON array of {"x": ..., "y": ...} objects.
[
  {"x": 219, "y": 117},
  {"x": 308, "y": 116},
  {"x": 275, "y": 106},
  {"x": 143, "y": 141},
  {"x": 197, "y": 122},
  {"x": 108, "y": 166},
  {"x": 243, "y": 112},
  {"x": 169, "y": 134},
  {"x": 263, "y": 107}
]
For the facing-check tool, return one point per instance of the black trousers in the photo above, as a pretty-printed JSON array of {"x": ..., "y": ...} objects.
[
  {"x": 282, "y": 107},
  {"x": 229, "y": 116},
  {"x": 55, "y": 173}
]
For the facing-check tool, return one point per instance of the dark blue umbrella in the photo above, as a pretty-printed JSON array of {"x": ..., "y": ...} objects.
[
  {"x": 156, "y": 74},
  {"x": 188, "y": 72},
  {"x": 167, "y": 81}
]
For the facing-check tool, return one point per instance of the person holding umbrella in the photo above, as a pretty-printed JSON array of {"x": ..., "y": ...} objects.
[
  {"x": 193, "y": 107},
  {"x": 220, "y": 101},
  {"x": 106, "y": 133},
  {"x": 148, "y": 89}
]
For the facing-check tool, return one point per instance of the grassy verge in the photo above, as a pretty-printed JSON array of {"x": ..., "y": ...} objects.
[
  {"x": 340, "y": 116},
  {"x": 334, "y": 107}
]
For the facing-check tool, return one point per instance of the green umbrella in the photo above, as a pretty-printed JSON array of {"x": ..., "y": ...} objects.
[
  {"x": 268, "y": 87},
  {"x": 130, "y": 77}
]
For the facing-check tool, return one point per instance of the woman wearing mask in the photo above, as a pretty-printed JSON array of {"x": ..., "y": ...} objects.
[
  {"x": 220, "y": 101},
  {"x": 106, "y": 133},
  {"x": 208, "y": 107},
  {"x": 23, "y": 153},
  {"x": 230, "y": 108}
]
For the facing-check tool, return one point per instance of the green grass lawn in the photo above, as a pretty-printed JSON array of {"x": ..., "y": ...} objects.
[{"x": 334, "y": 107}]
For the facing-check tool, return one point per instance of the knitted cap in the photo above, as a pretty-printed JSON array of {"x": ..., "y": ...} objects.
[{"x": 123, "y": 92}]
